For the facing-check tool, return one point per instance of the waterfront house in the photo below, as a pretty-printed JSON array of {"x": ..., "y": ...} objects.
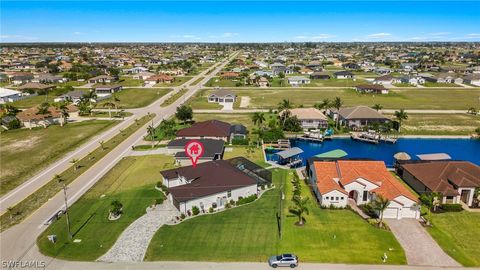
[
  {"x": 213, "y": 184},
  {"x": 357, "y": 117},
  {"x": 310, "y": 118},
  {"x": 340, "y": 182},
  {"x": 455, "y": 180}
]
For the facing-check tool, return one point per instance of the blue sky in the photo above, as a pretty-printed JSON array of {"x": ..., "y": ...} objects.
[{"x": 272, "y": 21}]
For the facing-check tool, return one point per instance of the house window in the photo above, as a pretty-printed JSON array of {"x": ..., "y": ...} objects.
[
  {"x": 336, "y": 198},
  {"x": 341, "y": 198},
  {"x": 326, "y": 198},
  {"x": 229, "y": 193},
  {"x": 365, "y": 195}
]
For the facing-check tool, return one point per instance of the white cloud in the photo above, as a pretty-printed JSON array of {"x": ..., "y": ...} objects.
[
  {"x": 17, "y": 38},
  {"x": 439, "y": 34},
  {"x": 473, "y": 35},
  {"x": 229, "y": 34},
  {"x": 379, "y": 35},
  {"x": 315, "y": 37},
  {"x": 77, "y": 33}
]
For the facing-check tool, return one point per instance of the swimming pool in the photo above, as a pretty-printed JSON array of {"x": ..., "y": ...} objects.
[{"x": 458, "y": 149}]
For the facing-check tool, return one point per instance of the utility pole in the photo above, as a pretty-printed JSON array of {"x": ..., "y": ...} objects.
[
  {"x": 66, "y": 211},
  {"x": 64, "y": 186}
]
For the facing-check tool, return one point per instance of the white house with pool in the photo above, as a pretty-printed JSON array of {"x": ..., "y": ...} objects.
[{"x": 338, "y": 182}]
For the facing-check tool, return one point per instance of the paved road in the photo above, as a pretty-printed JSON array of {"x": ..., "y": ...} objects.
[
  {"x": 19, "y": 241},
  {"x": 419, "y": 246}
]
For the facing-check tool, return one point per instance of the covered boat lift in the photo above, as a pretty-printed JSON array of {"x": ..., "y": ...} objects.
[{"x": 290, "y": 157}]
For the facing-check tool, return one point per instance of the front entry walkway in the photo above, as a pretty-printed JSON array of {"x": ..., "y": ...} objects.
[
  {"x": 419, "y": 246},
  {"x": 132, "y": 244}
]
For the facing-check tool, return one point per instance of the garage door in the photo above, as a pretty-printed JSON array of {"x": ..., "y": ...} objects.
[
  {"x": 228, "y": 100},
  {"x": 390, "y": 213},
  {"x": 408, "y": 212}
]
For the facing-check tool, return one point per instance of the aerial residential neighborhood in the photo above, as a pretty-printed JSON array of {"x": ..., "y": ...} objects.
[{"x": 235, "y": 135}]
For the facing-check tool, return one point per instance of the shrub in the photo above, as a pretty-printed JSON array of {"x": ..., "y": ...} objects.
[
  {"x": 262, "y": 187},
  {"x": 195, "y": 210},
  {"x": 189, "y": 213},
  {"x": 451, "y": 207},
  {"x": 116, "y": 207},
  {"x": 232, "y": 202},
  {"x": 182, "y": 216},
  {"x": 159, "y": 201},
  {"x": 368, "y": 210},
  {"x": 239, "y": 141},
  {"x": 228, "y": 206},
  {"x": 248, "y": 199},
  {"x": 214, "y": 205},
  {"x": 159, "y": 185},
  {"x": 210, "y": 210}
]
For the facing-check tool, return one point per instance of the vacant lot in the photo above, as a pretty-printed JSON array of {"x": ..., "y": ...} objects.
[
  {"x": 132, "y": 182},
  {"x": 33, "y": 101},
  {"x": 136, "y": 97},
  {"x": 438, "y": 98},
  {"x": 179, "y": 80},
  {"x": 440, "y": 124},
  {"x": 25, "y": 152},
  {"x": 458, "y": 234},
  {"x": 250, "y": 233}
]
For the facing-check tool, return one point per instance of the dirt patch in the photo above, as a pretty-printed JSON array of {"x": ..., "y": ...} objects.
[
  {"x": 21, "y": 145},
  {"x": 244, "y": 102}
]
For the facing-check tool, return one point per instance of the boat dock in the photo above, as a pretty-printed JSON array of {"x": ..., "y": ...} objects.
[{"x": 371, "y": 137}]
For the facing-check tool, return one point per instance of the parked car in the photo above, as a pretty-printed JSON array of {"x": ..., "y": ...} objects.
[{"x": 283, "y": 260}]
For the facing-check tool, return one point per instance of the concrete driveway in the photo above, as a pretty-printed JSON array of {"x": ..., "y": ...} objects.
[{"x": 419, "y": 246}]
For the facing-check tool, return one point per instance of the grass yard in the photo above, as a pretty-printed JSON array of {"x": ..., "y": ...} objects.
[
  {"x": 199, "y": 100},
  {"x": 136, "y": 97},
  {"x": 130, "y": 82},
  {"x": 328, "y": 236},
  {"x": 218, "y": 82},
  {"x": 237, "y": 118},
  {"x": 250, "y": 233},
  {"x": 435, "y": 84},
  {"x": 25, "y": 152},
  {"x": 438, "y": 98},
  {"x": 241, "y": 151},
  {"x": 179, "y": 80},
  {"x": 332, "y": 82},
  {"x": 33, "y": 101},
  {"x": 131, "y": 182},
  {"x": 197, "y": 81},
  {"x": 458, "y": 235},
  {"x": 174, "y": 97},
  {"x": 440, "y": 124},
  {"x": 31, "y": 203}
]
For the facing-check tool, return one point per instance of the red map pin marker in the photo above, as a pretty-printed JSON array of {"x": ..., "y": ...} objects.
[{"x": 194, "y": 150}]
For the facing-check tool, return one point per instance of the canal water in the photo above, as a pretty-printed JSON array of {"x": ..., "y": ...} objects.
[{"x": 458, "y": 149}]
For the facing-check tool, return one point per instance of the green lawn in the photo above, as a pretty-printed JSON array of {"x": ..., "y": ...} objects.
[
  {"x": 440, "y": 124},
  {"x": 458, "y": 234},
  {"x": 328, "y": 236},
  {"x": 25, "y": 152},
  {"x": 197, "y": 81},
  {"x": 179, "y": 80},
  {"x": 174, "y": 97},
  {"x": 131, "y": 182},
  {"x": 249, "y": 233},
  {"x": 423, "y": 98},
  {"x": 332, "y": 82},
  {"x": 237, "y": 118},
  {"x": 218, "y": 82},
  {"x": 129, "y": 82},
  {"x": 435, "y": 84},
  {"x": 136, "y": 97},
  {"x": 241, "y": 151},
  {"x": 33, "y": 101}
]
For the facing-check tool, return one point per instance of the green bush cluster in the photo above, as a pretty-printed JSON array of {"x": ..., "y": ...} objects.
[
  {"x": 248, "y": 199},
  {"x": 451, "y": 207},
  {"x": 195, "y": 210},
  {"x": 239, "y": 141}
]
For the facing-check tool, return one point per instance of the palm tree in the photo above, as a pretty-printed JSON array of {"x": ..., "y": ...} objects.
[
  {"x": 300, "y": 208},
  {"x": 337, "y": 103},
  {"x": 116, "y": 100},
  {"x": 64, "y": 110},
  {"x": 102, "y": 144},
  {"x": 151, "y": 132},
  {"x": 258, "y": 118},
  {"x": 377, "y": 107},
  {"x": 74, "y": 162},
  {"x": 285, "y": 105},
  {"x": 380, "y": 204},
  {"x": 400, "y": 115},
  {"x": 110, "y": 106},
  {"x": 325, "y": 104}
]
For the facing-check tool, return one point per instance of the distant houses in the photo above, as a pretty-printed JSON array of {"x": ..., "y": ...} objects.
[
  {"x": 343, "y": 75},
  {"x": 9, "y": 95},
  {"x": 31, "y": 117},
  {"x": 371, "y": 88},
  {"x": 298, "y": 80}
]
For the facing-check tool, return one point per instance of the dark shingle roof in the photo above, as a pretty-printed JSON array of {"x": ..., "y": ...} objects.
[{"x": 207, "y": 128}]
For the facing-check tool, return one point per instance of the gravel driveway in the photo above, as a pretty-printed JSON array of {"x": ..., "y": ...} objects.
[
  {"x": 419, "y": 246},
  {"x": 132, "y": 244}
]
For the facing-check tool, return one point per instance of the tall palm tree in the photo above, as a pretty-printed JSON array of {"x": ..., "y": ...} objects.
[
  {"x": 258, "y": 118},
  {"x": 285, "y": 105},
  {"x": 377, "y": 107},
  {"x": 337, "y": 103},
  {"x": 110, "y": 106},
  {"x": 326, "y": 103},
  {"x": 64, "y": 110},
  {"x": 380, "y": 204},
  {"x": 116, "y": 100},
  {"x": 400, "y": 115},
  {"x": 151, "y": 132},
  {"x": 300, "y": 208}
]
